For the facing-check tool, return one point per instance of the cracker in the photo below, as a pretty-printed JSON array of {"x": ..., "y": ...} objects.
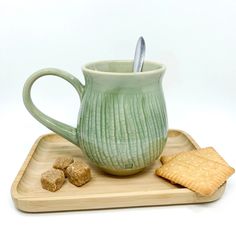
[
  {"x": 196, "y": 173},
  {"x": 208, "y": 152}
]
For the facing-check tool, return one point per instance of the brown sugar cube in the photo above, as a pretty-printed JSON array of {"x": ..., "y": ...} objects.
[
  {"x": 52, "y": 180},
  {"x": 78, "y": 173},
  {"x": 62, "y": 163}
]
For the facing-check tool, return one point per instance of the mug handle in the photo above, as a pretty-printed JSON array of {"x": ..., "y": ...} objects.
[{"x": 66, "y": 131}]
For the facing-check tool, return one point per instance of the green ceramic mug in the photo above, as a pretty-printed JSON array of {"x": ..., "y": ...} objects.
[{"x": 122, "y": 122}]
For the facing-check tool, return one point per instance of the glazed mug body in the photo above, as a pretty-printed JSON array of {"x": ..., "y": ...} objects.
[{"x": 122, "y": 122}]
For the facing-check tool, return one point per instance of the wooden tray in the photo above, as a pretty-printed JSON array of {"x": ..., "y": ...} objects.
[{"x": 103, "y": 191}]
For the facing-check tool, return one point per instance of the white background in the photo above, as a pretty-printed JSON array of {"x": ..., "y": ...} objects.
[{"x": 196, "y": 40}]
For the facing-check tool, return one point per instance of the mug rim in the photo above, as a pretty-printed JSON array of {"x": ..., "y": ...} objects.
[{"x": 154, "y": 71}]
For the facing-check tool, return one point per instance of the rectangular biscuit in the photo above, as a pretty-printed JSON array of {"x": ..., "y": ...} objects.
[
  {"x": 195, "y": 172},
  {"x": 208, "y": 152}
]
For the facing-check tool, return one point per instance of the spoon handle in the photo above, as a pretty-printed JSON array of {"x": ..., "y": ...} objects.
[{"x": 139, "y": 55}]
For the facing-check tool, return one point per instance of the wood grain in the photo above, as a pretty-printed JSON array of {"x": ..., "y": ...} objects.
[{"x": 104, "y": 190}]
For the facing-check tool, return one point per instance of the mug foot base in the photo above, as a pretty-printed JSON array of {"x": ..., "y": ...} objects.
[{"x": 122, "y": 172}]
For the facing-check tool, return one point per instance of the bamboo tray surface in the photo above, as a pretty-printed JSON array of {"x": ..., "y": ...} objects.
[{"x": 104, "y": 190}]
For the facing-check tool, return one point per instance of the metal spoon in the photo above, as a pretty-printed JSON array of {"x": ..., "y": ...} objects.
[{"x": 139, "y": 55}]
